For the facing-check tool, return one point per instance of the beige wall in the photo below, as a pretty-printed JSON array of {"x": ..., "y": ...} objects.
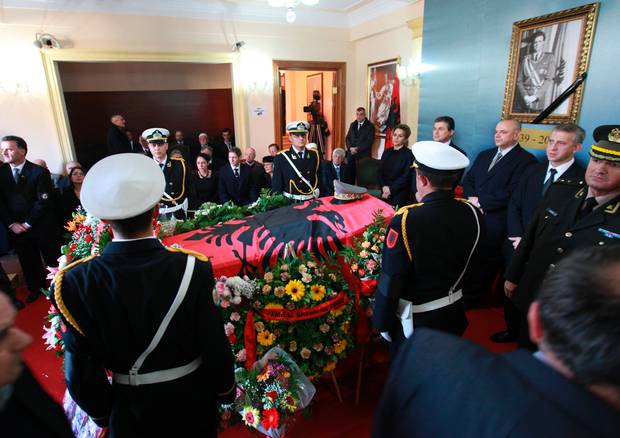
[
  {"x": 29, "y": 113},
  {"x": 130, "y": 76}
]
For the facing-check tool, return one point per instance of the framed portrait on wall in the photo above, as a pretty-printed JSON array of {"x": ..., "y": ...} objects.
[
  {"x": 547, "y": 54},
  {"x": 314, "y": 82},
  {"x": 381, "y": 78}
]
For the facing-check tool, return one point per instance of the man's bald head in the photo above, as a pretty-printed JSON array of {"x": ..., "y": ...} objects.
[{"x": 118, "y": 120}]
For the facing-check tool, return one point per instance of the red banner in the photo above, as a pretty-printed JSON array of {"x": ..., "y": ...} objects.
[{"x": 304, "y": 313}]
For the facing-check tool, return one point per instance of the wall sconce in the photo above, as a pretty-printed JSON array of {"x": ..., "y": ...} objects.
[{"x": 410, "y": 74}]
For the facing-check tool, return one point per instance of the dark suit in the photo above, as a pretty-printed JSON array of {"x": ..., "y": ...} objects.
[
  {"x": 457, "y": 148},
  {"x": 257, "y": 172},
  {"x": 493, "y": 189},
  {"x": 239, "y": 190},
  {"x": 441, "y": 386},
  {"x": 116, "y": 302},
  {"x": 395, "y": 172},
  {"x": 185, "y": 149},
  {"x": 555, "y": 231},
  {"x": 117, "y": 141},
  {"x": 31, "y": 201},
  {"x": 423, "y": 260},
  {"x": 220, "y": 149},
  {"x": 329, "y": 174},
  {"x": 528, "y": 195},
  {"x": 285, "y": 179},
  {"x": 31, "y": 412}
]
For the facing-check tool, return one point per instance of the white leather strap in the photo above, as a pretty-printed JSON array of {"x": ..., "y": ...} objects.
[
  {"x": 453, "y": 297},
  {"x": 178, "y": 299},
  {"x": 158, "y": 376}
]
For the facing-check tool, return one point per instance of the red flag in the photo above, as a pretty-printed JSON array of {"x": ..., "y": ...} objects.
[{"x": 394, "y": 116}]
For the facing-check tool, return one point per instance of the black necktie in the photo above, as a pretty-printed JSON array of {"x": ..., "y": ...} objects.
[
  {"x": 236, "y": 172},
  {"x": 161, "y": 166},
  {"x": 16, "y": 175},
  {"x": 337, "y": 172},
  {"x": 300, "y": 155},
  {"x": 549, "y": 181},
  {"x": 497, "y": 157},
  {"x": 588, "y": 206}
]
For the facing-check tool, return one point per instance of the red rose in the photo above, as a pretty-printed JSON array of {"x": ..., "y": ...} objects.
[
  {"x": 271, "y": 419},
  {"x": 272, "y": 395},
  {"x": 232, "y": 338},
  {"x": 72, "y": 247},
  {"x": 88, "y": 238}
]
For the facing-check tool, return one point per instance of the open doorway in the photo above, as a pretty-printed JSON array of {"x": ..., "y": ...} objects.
[{"x": 312, "y": 91}]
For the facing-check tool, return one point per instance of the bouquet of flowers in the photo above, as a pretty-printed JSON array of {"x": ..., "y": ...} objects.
[
  {"x": 53, "y": 334},
  {"x": 89, "y": 237},
  {"x": 271, "y": 392}
]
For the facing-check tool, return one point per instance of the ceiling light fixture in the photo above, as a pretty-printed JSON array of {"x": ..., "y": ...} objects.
[{"x": 291, "y": 15}]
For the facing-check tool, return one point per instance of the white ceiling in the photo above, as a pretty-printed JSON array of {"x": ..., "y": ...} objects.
[{"x": 333, "y": 13}]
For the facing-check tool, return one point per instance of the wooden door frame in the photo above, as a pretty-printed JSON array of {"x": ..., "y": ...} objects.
[{"x": 338, "y": 130}]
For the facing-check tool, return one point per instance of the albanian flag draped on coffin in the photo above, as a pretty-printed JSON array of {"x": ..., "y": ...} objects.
[{"x": 250, "y": 245}]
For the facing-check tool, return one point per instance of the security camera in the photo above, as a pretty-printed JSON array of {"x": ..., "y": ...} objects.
[
  {"x": 46, "y": 41},
  {"x": 238, "y": 45}
]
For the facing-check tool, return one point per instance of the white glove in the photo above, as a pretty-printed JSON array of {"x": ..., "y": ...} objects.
[{"x": 386, "y": 336}]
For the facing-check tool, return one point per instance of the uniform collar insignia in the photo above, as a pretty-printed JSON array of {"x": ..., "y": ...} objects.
[
  {"x": 169, "y": 164},
  {"x": 580, "y": 193},
  {"x": 612, "y": 208}
]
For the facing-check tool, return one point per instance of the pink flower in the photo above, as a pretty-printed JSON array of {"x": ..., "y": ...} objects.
[
  {"x": 229, "y": 329},
  {"x": 241, "y": 356},
  {"x": 284, "y": 276},
  {"x": 324, "y": 328},
  {"x": 235, "y": 316},
  {"x": 371, "y": 265}
]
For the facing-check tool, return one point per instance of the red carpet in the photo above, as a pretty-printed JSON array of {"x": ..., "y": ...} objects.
[{"x": 328, "y": 417}]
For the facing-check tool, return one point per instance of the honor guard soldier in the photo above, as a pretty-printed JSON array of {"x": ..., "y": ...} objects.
[
  {"x": 175, "y": 199},
  {"x": 296, "y": 170},
  {"x": 573, "y": 215},
  {"x": 145, "y": 313},
  {"x": 428, "y": 249}
]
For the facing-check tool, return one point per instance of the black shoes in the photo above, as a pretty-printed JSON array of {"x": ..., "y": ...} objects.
[{"x": 503, "y": 337}]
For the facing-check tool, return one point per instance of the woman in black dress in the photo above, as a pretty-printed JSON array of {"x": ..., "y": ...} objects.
[
  {"x": 204, "y": 181},
  {"x": 70, "y": 197},
  {"x": 394, "y": 174}
]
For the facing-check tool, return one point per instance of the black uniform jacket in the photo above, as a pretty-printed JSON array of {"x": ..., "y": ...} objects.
[
  {"x": 494, "y": 188},
  {"x": 177, "y": 181},
  {"x": 113, "y": 304},
  {"x": 285, "y": 178},
  {"x": 528, "y": 195},
  {"x": 361, "y": 138},
  {"x": 426, "y": 248},
  {"x": 442, "y": 386},
  {"x": 117, "y": 141},
  {"x": 30, "y": 200},
  {"x": 31, "y": 412},
  {"x": 555, "y": 231}
]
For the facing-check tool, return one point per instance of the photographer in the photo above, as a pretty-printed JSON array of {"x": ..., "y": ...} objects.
[{"x": 318, "y": 126}]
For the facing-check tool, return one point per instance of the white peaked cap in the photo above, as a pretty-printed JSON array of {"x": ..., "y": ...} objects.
[
  {"x": 432, "y": 155},
  {"x": 122, "y": 186}
]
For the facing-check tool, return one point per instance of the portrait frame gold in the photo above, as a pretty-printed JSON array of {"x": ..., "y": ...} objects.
[
  {"x": 388, "y": 66},
  {"x": 538, "y": 76}
]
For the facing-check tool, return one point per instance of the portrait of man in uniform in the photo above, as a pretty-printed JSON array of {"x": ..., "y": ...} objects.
[{"x": 547, "y": 55}]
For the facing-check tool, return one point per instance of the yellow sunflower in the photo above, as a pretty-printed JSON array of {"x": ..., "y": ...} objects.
[
  {"x": 295, "y": 289},
  {"x": 317, "y": 292},
  {"x": 265, "y": 338},
  {"x": 340, "y": 346}
]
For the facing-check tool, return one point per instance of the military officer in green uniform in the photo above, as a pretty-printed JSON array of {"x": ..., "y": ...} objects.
[
  {"x": 175, "y": 198},
  {"x": 429, "y": 247},
  {"x": 145, "y": 313},
  {"x": 574, "y": 214},
  {"x": 296, "y": 170}
]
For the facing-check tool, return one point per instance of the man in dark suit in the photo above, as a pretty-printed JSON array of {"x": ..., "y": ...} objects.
[
  {"x": 224, "y": 144},
  {"x": 117, "y": 141},
  {"x": 489, "y": 184},
  {"x": 134, "y": 143},
  {"x": 257, "y": 170},
  {"x": 573, "y": 215},
  {"x": 235, "y": 181},
  {"x": 564, "y": 141},
  {"x": 26, "y": 410},
  {"x": 443, "y": 132},
  {"x": 442, "y": 386},
  {"x": 178, "y": 190},
  {"x": 428, "y": 249},
  {"x": 359, "y": 140},
  {"x": 296, "y": 170},
  {"x": 184, "y": 145},
  {"x": 335, "y": 170},
  {"x": 27, "y": 192},
  {"x": 143, "y": 312}
]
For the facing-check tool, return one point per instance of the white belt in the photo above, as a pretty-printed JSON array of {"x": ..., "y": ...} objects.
[
  {"x": 298, "y": 197},
  {"x": 135, "y": 379},
  {"x": 176, "y": 207},
  {"x": 406, "y": 309}
]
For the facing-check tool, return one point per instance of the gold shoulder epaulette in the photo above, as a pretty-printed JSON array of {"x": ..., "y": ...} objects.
[
  {"x": 401, "y": 210},
  {"x": 199, "y": 256},
  {"x": 58, "y": 294}
]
